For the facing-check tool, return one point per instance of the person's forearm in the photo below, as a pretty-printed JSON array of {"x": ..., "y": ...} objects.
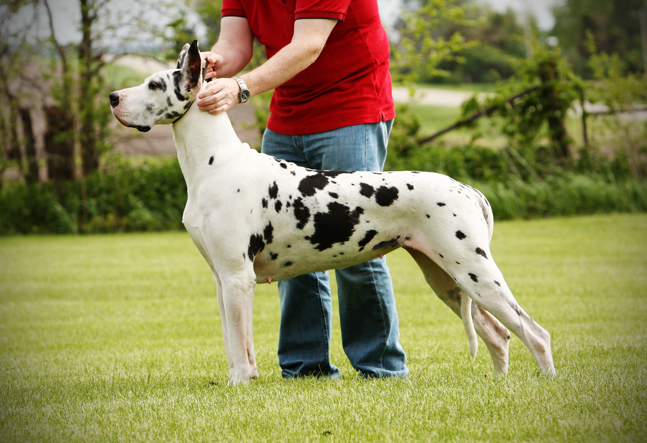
[
  {"x": 285, "y": 64},
  {"x": 307, "y": 43},
  {"x": 234, "y": 59}
]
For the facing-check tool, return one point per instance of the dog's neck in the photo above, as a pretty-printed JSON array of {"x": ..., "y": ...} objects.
[{"x": 203, "y": 141}]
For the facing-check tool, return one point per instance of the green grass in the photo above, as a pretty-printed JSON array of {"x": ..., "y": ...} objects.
[
  {"x": 117, "y": 338},
  {"x": 463, "y": 87}
]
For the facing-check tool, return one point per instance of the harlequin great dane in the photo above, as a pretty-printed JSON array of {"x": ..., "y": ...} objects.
[{"x": 256, "y": 219}]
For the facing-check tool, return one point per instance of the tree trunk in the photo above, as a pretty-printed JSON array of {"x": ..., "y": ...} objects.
[
  {"x": 87, "y": 136},
  {"x": 556, "y": 115},
  {"x": 29, "y": 141},
  {"x": 59, "y": 144}
]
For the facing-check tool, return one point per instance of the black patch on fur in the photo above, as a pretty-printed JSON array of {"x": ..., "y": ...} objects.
[
  {"x": 481, "y": 252},
  {"x": 393, "y": 243},
  {"x": 367, "y": 238},
  {"x": 211, "y": 160},
  {"x": 366, "y": 190},
  {"x": 410, "y": 187},
  {"x": 309, "y": 185},
  {"x": 177, "y": 79},
  {"x": 386, "y": 196},
  {"x": 301, "y": 213},
  {"x": 273, "y": 255},
  {"x": 172, "y": 115},
  {"x": 333, "y": 174},
  {"x": 333, "y": 194},
  {"x": 264, "y": 202},
  {"x": 473, "y": 277},
  {"x": 273, "y": 190},
  {"x": 335, "y": 226},
  {"x": 278, "y": 205},
  {"x": 287, "y": 263},
  {"x": 283, "y": 165},
  {"x": 169, "y": 102},
  {"x": 440, "y": 204},
  {"x": 460, "y": 235},
  {"x": 441, "y": 255},
  {"x": 427, "y": 215},
  {"x": 497, "y": 283},
  {"x": 268, "y": 233},
  {"x": 255, "y": 246}
]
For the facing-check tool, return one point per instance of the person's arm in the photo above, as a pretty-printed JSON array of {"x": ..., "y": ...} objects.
[
  {"x": 233, "y": 50},
  {"x": 310, "y": 36}
]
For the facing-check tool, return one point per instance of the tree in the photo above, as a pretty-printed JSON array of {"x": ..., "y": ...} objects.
[
  {"x": 18, "y": 86},
  {"x": 614, "y": 25}
]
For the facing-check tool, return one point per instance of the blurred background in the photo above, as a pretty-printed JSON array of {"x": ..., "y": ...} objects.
[{"x": 540, "y": 104}]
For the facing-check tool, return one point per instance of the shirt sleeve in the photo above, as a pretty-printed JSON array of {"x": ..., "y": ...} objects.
[
  {"x": 331, "y": 9},
  {"x": 232, "y": 8}
]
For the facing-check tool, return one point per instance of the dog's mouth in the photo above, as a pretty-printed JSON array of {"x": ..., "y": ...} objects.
[{"x": 140, "y": 128}]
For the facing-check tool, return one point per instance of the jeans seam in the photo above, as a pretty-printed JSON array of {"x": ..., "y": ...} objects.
[
  {"x": 384, "y": 323},
  {"x": 325, "y": 321}
]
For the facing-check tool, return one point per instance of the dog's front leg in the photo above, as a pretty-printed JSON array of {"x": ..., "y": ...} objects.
[
  {"x": 238, "y": 300},
  {"x": 223, "y": 323}
]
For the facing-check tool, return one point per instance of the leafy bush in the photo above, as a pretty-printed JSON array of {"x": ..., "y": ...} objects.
[{"x": 120, "y": 197}]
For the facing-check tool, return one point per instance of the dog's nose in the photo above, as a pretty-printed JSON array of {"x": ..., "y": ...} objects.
[{"x": 114, "y": 99}]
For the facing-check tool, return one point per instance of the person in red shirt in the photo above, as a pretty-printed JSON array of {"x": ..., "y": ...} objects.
[{"x": 332, "y": 108}]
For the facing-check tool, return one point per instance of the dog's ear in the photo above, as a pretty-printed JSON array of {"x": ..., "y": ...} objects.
[
  {"x": 182, "y": 56},
  {"x": 191, "y": 65}
]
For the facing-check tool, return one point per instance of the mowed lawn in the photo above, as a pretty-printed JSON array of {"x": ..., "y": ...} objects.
[{"x": 117, "y": 338}]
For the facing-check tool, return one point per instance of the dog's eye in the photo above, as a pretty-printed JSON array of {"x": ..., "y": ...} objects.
[{"x": 153, "y": 86}]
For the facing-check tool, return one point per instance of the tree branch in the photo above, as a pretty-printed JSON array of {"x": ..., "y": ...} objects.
[{"x": 475, "y": 116}]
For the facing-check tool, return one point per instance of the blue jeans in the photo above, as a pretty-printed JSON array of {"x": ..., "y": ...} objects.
[{"x": 368, "y": 316}]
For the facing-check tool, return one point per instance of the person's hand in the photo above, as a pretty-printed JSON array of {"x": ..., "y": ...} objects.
[
  {"x": 219, "y": 95},
  {"x": 215, "y": 63}
]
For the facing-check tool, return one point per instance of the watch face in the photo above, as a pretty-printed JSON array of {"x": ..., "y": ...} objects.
[{"x": 244, "y": 95}]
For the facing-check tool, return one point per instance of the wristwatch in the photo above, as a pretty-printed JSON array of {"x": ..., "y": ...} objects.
[{"x": 243, "y": 95}]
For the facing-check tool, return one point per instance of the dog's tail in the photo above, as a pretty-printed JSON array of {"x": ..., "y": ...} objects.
[
  {"x": 487, "y": 213},
  {"x": 468, "y": 324}
]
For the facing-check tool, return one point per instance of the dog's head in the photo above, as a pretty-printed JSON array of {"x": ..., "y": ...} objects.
[{"x": 164, "y": 96}]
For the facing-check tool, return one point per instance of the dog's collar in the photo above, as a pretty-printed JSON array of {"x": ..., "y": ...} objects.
[{"x": 204, "y": 73}]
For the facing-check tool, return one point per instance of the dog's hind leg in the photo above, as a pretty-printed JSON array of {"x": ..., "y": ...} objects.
[
  {"x": 484, "y": 283},
  {"x": 494, "y": 334}
]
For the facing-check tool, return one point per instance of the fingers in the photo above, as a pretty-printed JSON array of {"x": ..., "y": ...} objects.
[
  {"x": 218, "y": 96},
  {"x": 215, "y": 63}
]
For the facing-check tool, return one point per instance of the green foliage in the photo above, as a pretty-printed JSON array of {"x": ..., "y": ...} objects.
[
  {"x": 496, "y": 43},
  {"x": 613, "y": 24},
  {"x": 209, "y": 12},
  {"x": 179, "y": 33},
  {"x": 419, "y": 52},
  {"x": 621, "y": 92},
  {"x": 565, "y": 195},
  {"x": 533, "y": 123},
  {"x": 118, "y": 198}
]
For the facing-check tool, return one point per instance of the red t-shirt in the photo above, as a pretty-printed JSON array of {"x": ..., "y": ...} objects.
[{"x": 348, "y": 84}]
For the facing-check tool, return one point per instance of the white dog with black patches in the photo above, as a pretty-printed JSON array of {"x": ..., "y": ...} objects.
[{"x": 256, "y": 219}]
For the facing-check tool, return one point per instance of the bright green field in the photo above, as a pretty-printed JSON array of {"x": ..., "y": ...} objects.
[{"x": 117, "y": 338}]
